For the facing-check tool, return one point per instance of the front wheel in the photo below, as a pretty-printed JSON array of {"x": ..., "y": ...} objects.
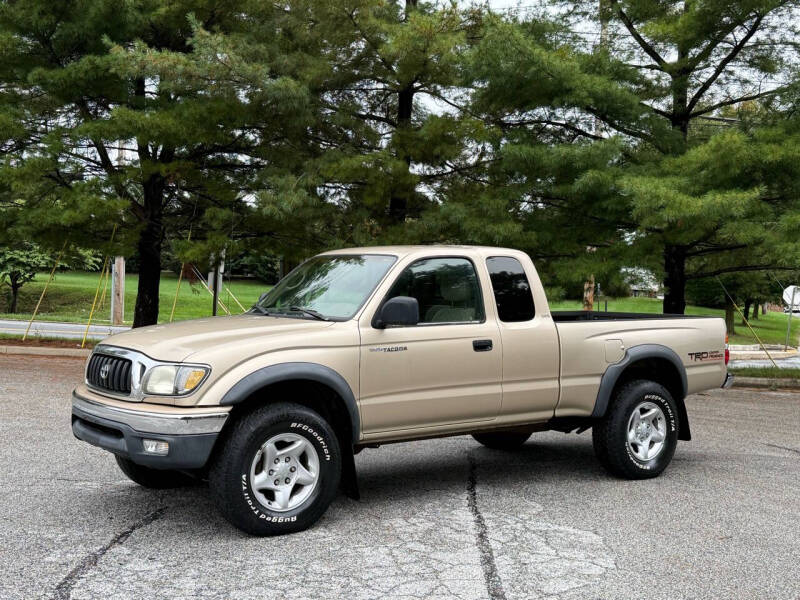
[
  {"x": 277, "y": 470},
  {"x": 638, "y": 436}
]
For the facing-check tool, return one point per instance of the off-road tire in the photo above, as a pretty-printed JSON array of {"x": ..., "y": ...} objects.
[
  {"x": 502, "y": 440},
  {"x": 610, "y": 434},
  {"x": 157, "y": 479},
  {"x": 229, "y": 475}
]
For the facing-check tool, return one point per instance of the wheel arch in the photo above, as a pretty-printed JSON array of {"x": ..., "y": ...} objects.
[
  {"x": 653, "y": 362},
  {"x": 327, "y": 392}
]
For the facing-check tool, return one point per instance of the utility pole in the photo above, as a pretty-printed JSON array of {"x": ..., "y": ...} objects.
[
  {"x": 118, "y": 291},
  {"x": 588, "y": 285},
  {"x": 215, "y": 279}
]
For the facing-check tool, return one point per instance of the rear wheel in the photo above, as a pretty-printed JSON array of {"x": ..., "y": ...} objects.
[
  {"x": 502, "y": 440},
  {"x": 277, "y": 470},
  {"x": 638, "y": 436},
  {"x": 158, "y": 479}
]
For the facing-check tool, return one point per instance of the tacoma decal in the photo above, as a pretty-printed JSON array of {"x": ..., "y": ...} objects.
[{"x": 389, "y": 349}]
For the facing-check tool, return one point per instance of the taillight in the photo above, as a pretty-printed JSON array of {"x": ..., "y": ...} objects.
[{"x": 727, "y": 350}]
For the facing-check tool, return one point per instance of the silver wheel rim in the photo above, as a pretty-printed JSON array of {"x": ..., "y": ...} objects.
[
  {"x": 284, "y": 472},
  {"x": 647, "y": 431}
]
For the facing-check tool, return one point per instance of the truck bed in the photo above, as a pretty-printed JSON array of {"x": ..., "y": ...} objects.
[{"x": 567, "y": 316}]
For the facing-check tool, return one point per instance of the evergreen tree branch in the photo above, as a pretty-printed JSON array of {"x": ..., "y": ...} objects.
[
  {"x": 370, "y": 43},
  {"x": 643, "y": 43},
  {"x": 715, "y": 250},
  {"x": 731, "y": 101},
  {"x": 723, "y": 64},
  {"x": 567, "y": 126},
  {"x": 638, "y": 134}
]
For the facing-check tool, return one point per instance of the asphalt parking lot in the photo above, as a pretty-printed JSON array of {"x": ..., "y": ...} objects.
[{"x": 438, "y": 519}]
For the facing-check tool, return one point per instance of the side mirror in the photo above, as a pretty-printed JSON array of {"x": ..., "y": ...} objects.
[{"x": 400, "y": 310}]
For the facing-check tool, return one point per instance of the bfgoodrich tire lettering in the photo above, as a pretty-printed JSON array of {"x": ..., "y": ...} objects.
[
  {"x": 286, "y": 442},
  {"x": 638, "y": 436}
]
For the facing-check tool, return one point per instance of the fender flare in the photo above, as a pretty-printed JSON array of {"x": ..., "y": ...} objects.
[
  {"x": 632, "y": 355},
  {"x": 297, "y": 370}
]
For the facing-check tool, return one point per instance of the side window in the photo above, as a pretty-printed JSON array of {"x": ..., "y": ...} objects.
[
  {"x": 512, "y": 292},
  {"x": 447, "y": 290}
]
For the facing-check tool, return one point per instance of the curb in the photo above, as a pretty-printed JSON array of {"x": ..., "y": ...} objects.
[
  {"x": 765, "y": 382},
  {"x": 44, "y": 351}
]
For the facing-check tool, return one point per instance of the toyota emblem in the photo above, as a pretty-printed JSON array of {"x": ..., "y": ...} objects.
[{"x": 104, "y": 371}]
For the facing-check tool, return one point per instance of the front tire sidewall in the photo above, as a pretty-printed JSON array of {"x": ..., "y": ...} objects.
[{"x": 236, "y": 499}]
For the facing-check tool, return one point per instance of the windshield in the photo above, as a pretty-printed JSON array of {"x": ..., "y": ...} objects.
[{"x": 326, "y": 287}]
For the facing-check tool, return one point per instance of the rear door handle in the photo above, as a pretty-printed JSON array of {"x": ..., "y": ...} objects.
[{"x": 481, "y": 345}]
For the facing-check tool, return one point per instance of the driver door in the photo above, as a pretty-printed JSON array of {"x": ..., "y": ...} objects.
[{"x": 445, "y": 370}]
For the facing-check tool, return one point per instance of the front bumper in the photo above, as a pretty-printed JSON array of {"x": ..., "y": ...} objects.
[
  {"x": 190, "y": 434},
  {"x": 728, "y": 381}
]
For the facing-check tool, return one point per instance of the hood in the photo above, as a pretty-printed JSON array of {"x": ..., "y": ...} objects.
[{"x": 177, "y": 341}]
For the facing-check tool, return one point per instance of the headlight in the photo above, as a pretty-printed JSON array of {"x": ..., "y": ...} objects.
[{"x": 172, "y": 380}]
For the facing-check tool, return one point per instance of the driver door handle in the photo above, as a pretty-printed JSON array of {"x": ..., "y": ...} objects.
[{"x": 482, "y": 345}]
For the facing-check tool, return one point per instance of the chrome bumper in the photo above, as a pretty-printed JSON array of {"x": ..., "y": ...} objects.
[
  {"x": 190, "y": 435},
  {"x": 728, "y": 381},
  {"x": 151, "y": 422}
]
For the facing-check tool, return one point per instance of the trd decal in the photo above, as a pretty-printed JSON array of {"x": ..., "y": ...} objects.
[
  {"x": 708, "y": 355},
  {"x": 389, "y": 349}
]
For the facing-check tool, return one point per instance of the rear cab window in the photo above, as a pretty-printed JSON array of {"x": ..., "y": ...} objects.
[{"x": 512, "y": 290}]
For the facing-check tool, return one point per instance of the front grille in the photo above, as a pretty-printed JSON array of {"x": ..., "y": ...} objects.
[{"x": 117, "y": 373}]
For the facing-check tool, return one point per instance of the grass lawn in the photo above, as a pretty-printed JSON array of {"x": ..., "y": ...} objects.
[
  {"x": 69, "y": 298},
  {"x": 768, "y": 372},
  {"x": 771, "y": 328},
  {"x": 70, "y": 295}
]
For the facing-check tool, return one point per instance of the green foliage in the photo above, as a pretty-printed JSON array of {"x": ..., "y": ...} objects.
[
  {"x": 766, "y": 372},
  {"x": 18, "y": 266},
  {"x": 70, "y": 295},
  {"x": 669, "y": 142}
]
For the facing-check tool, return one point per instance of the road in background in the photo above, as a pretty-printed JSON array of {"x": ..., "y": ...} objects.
[{"x": 444, "y": 518}]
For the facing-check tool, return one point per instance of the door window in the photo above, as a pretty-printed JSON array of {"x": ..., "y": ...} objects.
[
  {"x": 447, "y": 290},
  {"x": 512, "y": 291}
]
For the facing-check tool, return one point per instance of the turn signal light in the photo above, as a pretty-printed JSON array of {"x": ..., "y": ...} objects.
[
  {"x": 159, "y": 447},
  {"x": 727, "y": 350}
]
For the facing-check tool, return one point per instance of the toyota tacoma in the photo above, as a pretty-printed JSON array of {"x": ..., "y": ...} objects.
[{"x": 361, "y": 347}]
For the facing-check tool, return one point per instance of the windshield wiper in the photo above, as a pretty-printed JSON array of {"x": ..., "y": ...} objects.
[{"x": 310, "y": 312}]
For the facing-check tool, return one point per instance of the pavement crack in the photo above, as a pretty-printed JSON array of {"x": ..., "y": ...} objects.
[
  {"x": 64, "y": 588},
  {"x": 795, "y": 450},
  {"x": 493, "y": 583}
]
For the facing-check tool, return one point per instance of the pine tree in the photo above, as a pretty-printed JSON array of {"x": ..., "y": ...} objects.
[
  {"x": 121, "y": 113},
  {"x": 396, "y": 69},
  {"x": 691, "y": 64}
]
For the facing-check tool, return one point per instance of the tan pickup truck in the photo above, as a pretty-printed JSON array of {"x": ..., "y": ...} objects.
[{"x": 368, "y": 346}]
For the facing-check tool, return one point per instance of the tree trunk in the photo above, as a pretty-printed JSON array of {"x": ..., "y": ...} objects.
[
  {"x": 675, "y": 280},
  {"x": 14, "y": 297},
  {"x": 149, "y": 246},
  {"x": 729, "y": 318},
  {"x": 398, "y": 203},
  {"x": 747, "y": 305},
  {"x": 756, "y": 306}
]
